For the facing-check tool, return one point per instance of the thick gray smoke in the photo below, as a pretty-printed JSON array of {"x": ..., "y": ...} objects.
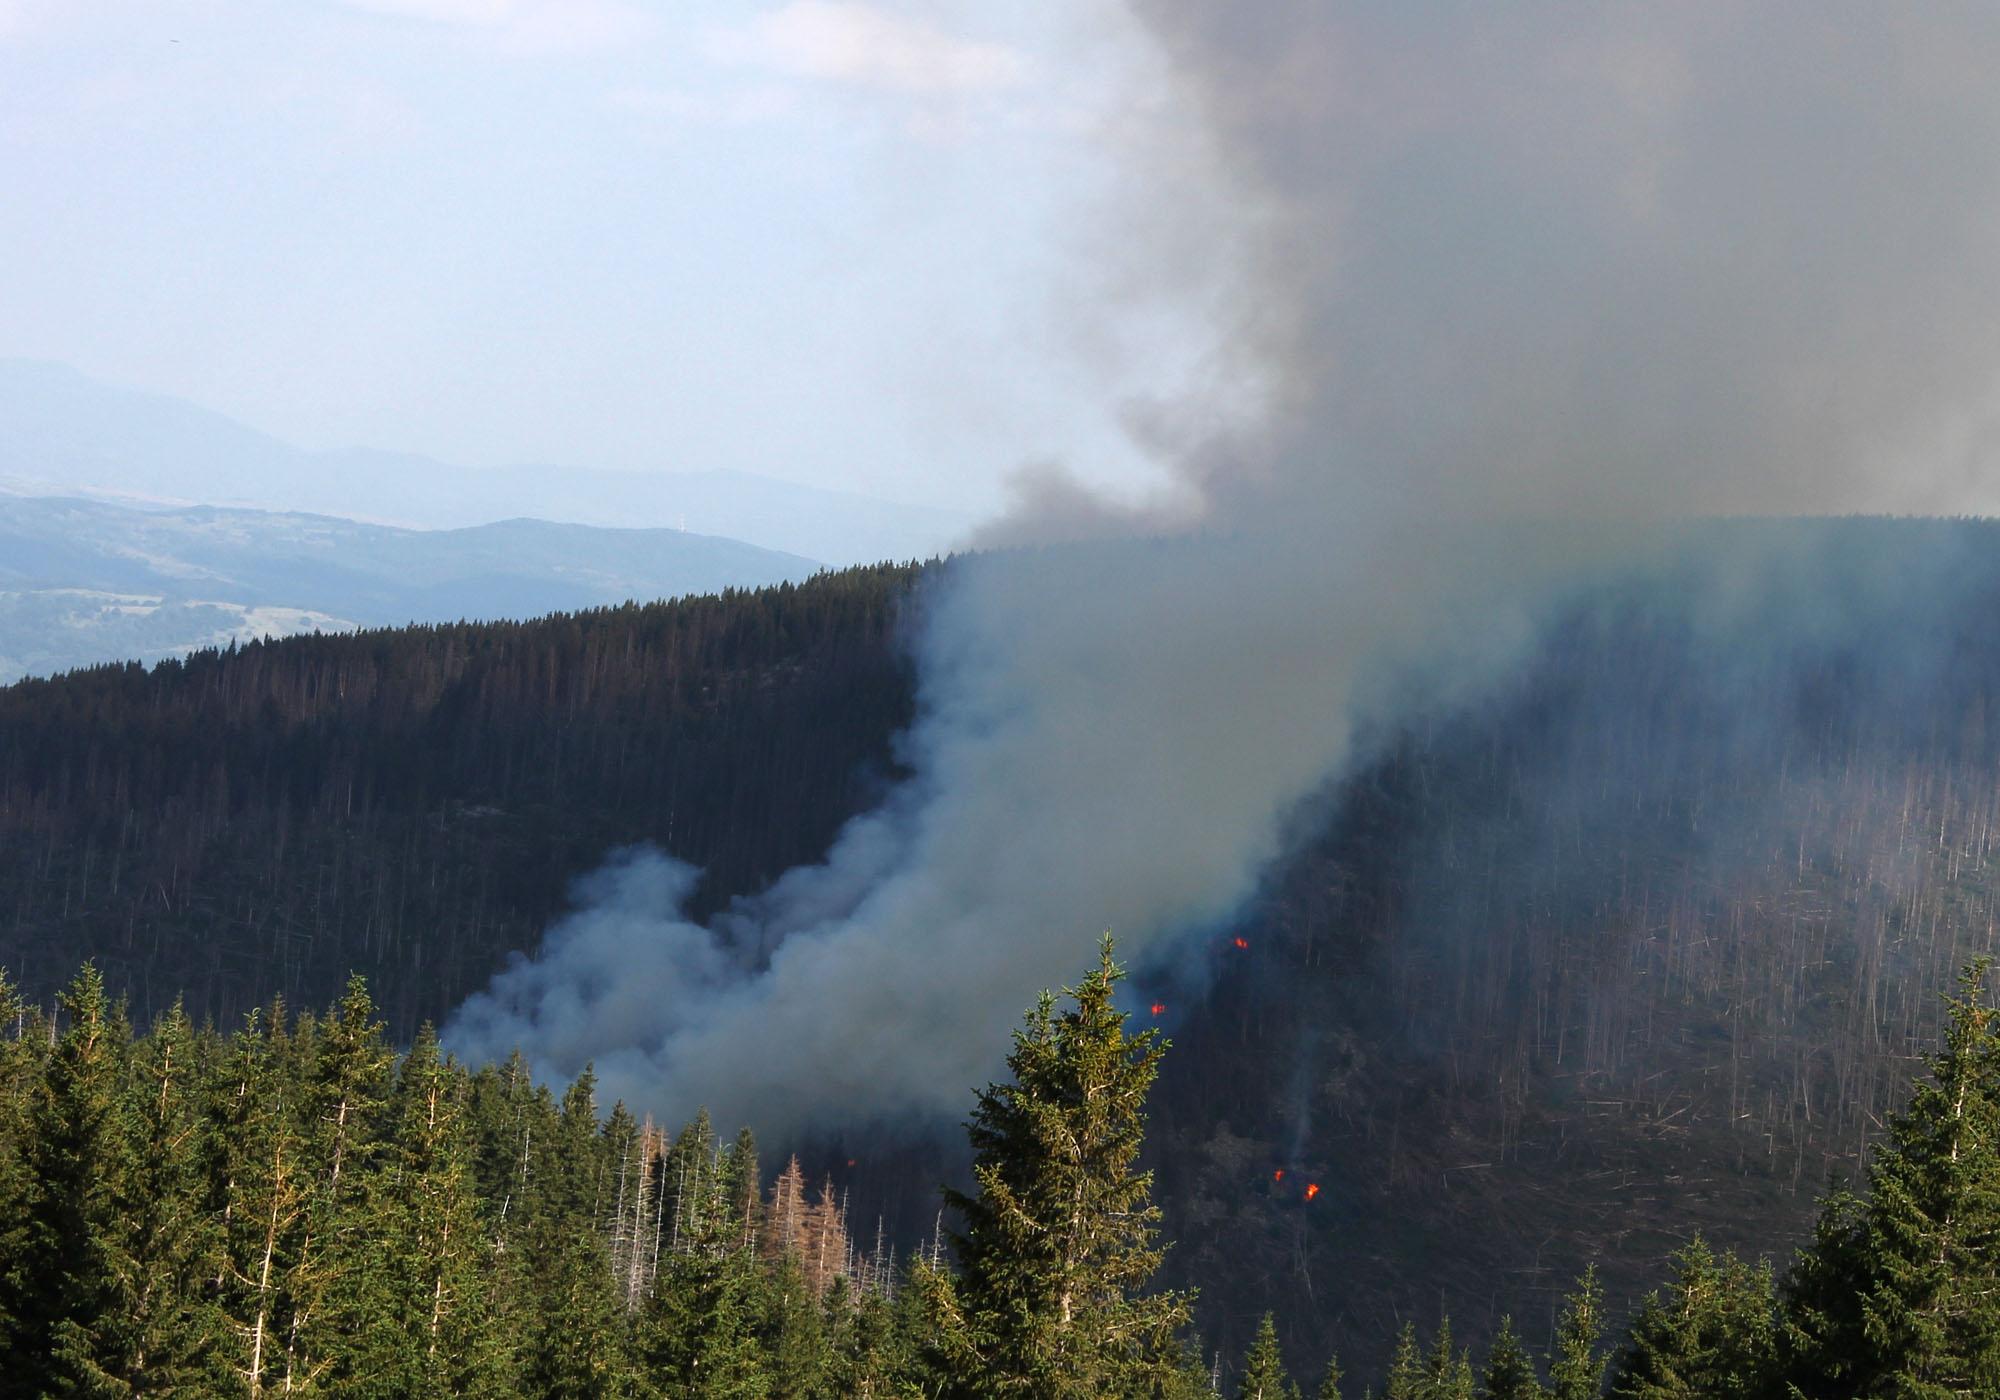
[{"x": 1497, "y": 290}]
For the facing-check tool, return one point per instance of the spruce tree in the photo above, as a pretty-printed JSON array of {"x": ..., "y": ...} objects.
[
  {"x": 433, "y": 1338},
  {"x": 20, "y": 1074},
  {"x": 870, "y": 1351},
  {"x": 69, "y": 1332},
  {"x": 794, "y": 1334},
  {"x": 738, "y": 1181},
  {"x": 260, "y": 1184},
  {"x": 1510, "y": 1371},
  {"x": 1710, "y": 1334},
  {"x": 341, "y": 1290},
  {"x": 1450, "y": 1370},
  {"x": 576, "y": 1341},
  {"x": 1931, "y": 1310},
  {"x": 1264, "y": 1375},
  {"x": 175, "y": 1326},
  {"x": 1059, "y": 1238},
  {"x": 1329, "y": 1381},
  {"x": 1409, "y": 1377},
  {"x": 697, "y": 1334},
  {"x": 1823, "y": 1349},
  {"x": 1576, "y": 1369}
]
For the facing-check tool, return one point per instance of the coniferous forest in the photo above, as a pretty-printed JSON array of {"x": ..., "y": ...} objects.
[
  {"x": 295, "y": 1208},
  {"x": 1615, "y": 966}
]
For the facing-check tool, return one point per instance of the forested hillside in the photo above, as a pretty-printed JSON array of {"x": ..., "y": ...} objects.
[
  {"x": 296, "y": 1209},
  {"x": 411, "y": 804},
  {"x": 1645, "y": 940}
]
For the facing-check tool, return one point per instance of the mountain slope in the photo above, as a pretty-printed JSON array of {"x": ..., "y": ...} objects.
[{"x": 62, "y": 433}]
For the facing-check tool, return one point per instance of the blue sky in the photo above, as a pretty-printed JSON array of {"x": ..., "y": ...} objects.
[{"x": 855, "y": 244}]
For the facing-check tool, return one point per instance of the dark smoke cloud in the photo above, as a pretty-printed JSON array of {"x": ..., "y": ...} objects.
[{"x": 1500, "y": 291}]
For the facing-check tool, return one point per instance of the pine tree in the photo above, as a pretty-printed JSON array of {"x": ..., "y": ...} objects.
[
  {"x": 1576, "y": 1370},
  {"x": 1264, "y": 1375},
  {"x": 70, "y": 1334},
  {"x": 1711, "y": 1334},
  {"x": 1329, "y": 1383},
  {"x": 1060, "y": 1237},
  {"x": 1510, "y": 1372}
]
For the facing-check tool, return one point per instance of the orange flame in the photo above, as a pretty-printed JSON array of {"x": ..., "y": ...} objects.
[
  {"x": 1312, "y": 1189},
  {"x": 1241, "y": 942},
  {"x": 1278, "y": 1175},
  {"x": 1159, "y": 1008}
]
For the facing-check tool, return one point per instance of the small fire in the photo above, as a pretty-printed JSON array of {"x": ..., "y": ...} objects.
[
  {"x": 1159, "y": 1008},
  {"x": 1312, "y": 1189},
  {"x": 1278, "y": 1175},
  {"x": 1240, "y": 941}
]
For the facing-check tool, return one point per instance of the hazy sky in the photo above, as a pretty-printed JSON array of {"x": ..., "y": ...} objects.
[{"x": 845, "y": 243}]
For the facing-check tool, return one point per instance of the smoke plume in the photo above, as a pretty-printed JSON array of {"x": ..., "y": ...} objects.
[{"x": 1499, "y": 294}]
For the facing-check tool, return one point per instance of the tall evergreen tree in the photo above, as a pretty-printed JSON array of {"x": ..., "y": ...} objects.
[
  {"x": 1264, "y": 1375},
  {"x": 795, "y": 1338},
  {"x": 340, "y": 1286},
  {"x": 1329, "y": 1381},
  {"x": 1450, "y": 1370},
  {"x": 739, "y": 1181},
  {"x": 175, "y": 1326},
  {"x": 69, "y": 1333},
  {"x": 1822, "y": 1344},
  {"x": 1059, "y": 1239},
  {"x": 1576, "y": 1370},
  {"x": 1931, "y": 1312},
  {"x": 871, "y": 1353},
  {"x": 1409, "y": 1378},
  {"x": 575, "y": 1344},
  {"x": 260, "y": 1185},
  {"x": 1510, "y": 1371},
  {"x": 432, "y": 1337},
  {"x": 20, "y": 1080},
  {"x": 1710, "y": 1334},
  {"x": 697, "y": 1335}
]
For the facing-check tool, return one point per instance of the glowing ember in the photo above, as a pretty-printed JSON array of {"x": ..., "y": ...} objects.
[
  {"x": 1241, "y": 942},
  {"x": 1159, "y": 1008},
  {"x": 1312, "y": 1189},
  {"x": 1278, "y": 1175}
]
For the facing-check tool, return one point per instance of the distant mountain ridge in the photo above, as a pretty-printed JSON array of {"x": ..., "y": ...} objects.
[
  {"x": 64, "y": 433},
  {"x": 84, "y": 582}
]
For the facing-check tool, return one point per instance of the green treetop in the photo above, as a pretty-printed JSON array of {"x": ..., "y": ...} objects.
[
  {"x": 1264, "y": 1375},
  {"x": 1060, "y": 1237}
]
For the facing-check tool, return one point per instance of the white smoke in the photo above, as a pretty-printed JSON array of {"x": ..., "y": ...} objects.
[{"x": 1476, "y": 264}]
